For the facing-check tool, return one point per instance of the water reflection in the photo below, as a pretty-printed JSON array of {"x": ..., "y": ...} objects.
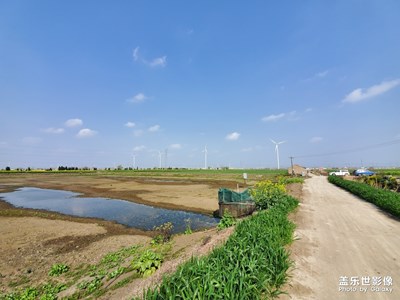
[{"x": 124, "y": 212}]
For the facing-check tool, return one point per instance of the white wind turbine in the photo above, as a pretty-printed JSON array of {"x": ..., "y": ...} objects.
[
  {"x": 160, "y": 157},
  {"x": 205, "y": 157},
  {"x": 277, "y": 149}
]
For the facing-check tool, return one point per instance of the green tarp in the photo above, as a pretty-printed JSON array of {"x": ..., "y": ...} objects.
[{"x": 228, "y": 196}]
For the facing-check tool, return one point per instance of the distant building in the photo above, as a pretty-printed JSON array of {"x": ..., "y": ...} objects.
[{"x": 298, "y": 170}]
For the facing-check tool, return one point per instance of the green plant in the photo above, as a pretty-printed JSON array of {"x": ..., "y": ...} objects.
[
  {"x": 188, "y": 229},
  {"x": 116, "y": 273},
  {"x": 227, "y": 220},
  {"x": 148, "y": 263},
  {"x": 92, "y": 285},
  {"x": 58, "y": 269},
  {"x": 266, "y": 194},
  {"x": 252, "y": 264},
  {"x": 164, "y": 233},
  {"x": 385, "y": 199}
]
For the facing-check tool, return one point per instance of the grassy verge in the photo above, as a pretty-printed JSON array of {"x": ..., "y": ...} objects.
[
  {"x": 115, "y": 270},
  {"x": 387, "y": 200},
  {"x": 252, "y": 264}
]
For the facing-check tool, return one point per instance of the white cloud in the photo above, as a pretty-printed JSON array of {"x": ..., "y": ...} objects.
[
  {"x": 130, "y": 124},
  {"x": 138, "y": 98},
  {"x": 249, "y": 149},
  {"x": 86, "y": 132},
  {"x": 135, "y": 54},
  {"x": 154, "y": 128},
  {"x": 158, "y": 62},
  {"x": 54, "y": 130},
  {"x": 234, "y": 136},
  {"x": 360, "y": 94},
  {"x": 322, "y": 74},
  {"x": 290, "y": 116},
  {"x": 139, "y": 148},
  {"x": 273, "y": 118},
  {"x": 73, "y": 122},
  {"x": 175, "y": 146},
  {"x": 316, "y": 139}
]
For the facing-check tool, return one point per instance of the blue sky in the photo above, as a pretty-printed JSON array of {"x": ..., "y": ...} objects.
[{"x": 92, "y": 83}]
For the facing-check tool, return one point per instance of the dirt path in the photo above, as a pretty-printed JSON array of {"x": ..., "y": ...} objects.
[{"x": 340, "y": 237}]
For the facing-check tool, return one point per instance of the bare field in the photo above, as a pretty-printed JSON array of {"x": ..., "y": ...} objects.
[{"x": 31, "y": 241}]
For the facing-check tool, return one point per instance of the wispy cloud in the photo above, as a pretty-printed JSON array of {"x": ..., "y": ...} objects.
[
  {"x": 138, "y": 98},
  {"x": 316, "y": 140},
  {"x": 54, "y": 130},
  {"x": 322, "y": 74},
  {"x": 154, "y": 128},
  {"x": 73, "y": 123},
  {"x": 316, "y": 76},
  {"x": 158, "y": 62},
  {"x": 130, "y": 124},
  {"x": 360, "y": 94},
  {"x": 234, "y": 136},
  {"x": 175, "y": 146},
  {"x": 154, "y": 63},
  {"x": 135, "y": 54},
  {"x": 273, "y": 118},
  {"x": 139, "y": 148},
  {"x": 249, "y": 149},
  {"x": 86, "y": 133},
  {"x": 289, "y": 116}
]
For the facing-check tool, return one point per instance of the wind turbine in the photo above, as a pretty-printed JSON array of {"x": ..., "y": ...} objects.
[
  {"x": 159, "y": 157},
  {"x": 134, "y": 161},
  {"x": 277, "y": 149},
  {"x": 205, "y": 156}
]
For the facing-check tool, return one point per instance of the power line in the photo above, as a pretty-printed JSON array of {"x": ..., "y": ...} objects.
[{"x": 374, "y": 146}]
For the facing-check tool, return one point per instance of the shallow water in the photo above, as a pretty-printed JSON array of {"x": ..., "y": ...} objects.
[{"x": 124, "y": 212}]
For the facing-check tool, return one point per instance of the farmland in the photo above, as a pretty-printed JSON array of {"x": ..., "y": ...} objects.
[{"x": 33, "y": 241}]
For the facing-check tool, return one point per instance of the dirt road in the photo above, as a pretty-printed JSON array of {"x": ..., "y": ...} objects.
[{"x": 343, "y": 240}]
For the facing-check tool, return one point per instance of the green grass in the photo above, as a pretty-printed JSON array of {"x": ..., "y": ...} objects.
[
  {"x": 252, "y": 264},
  {"x": 387, "y": 200},
  {"x": 222, "y": 174}
]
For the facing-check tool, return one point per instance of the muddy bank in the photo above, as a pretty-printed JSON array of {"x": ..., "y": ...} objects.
[{"x": 195, "y": 196}]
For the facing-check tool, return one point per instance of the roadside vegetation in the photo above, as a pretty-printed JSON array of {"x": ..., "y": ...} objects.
[
  {"x": 387, "y": 200},
  {"x": 253, "y": 263},
  {"x": 114, "y": 270}
]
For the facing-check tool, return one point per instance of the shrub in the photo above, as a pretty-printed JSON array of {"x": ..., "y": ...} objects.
[
  {"x": 387, "y": 200},
  {"x": 164, "y": 233},
  {"x": 267, "y": 193}
]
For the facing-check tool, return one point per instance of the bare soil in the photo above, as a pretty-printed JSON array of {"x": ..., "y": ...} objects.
[
  {"x": 31, "y": 241},
  {"x": 197, "y": 196},
  {"x": 340, "y": 235}
]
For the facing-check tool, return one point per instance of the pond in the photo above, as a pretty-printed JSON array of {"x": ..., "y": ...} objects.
[{"x": 128, "y": 213}]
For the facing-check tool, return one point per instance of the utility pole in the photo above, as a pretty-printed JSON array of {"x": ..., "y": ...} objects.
[{"x": 291, "y": 162}]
